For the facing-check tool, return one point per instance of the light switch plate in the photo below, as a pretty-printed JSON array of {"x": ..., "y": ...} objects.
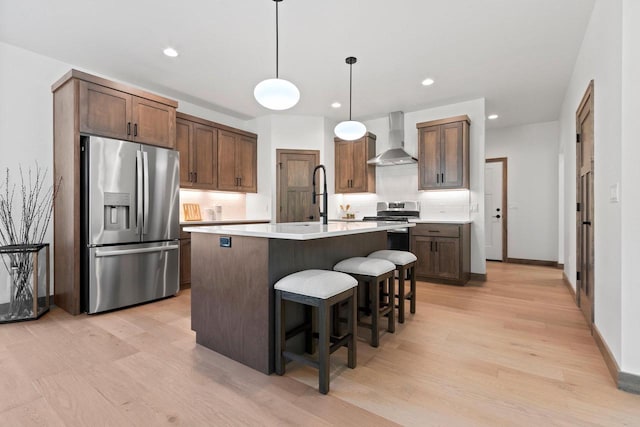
[{"x": 614, "y": 193}]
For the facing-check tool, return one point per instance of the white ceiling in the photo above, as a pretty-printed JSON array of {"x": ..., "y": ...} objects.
[{"x": 518, "y": 54}]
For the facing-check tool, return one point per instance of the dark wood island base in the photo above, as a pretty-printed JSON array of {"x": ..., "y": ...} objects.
[{"x": 232, "y": 296}]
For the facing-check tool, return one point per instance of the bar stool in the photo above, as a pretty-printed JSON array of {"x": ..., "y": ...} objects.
[
  {"x": 374, "y": 275},
  {"x": 405, "y": 263},
  {"x": 322, "y": 289}
]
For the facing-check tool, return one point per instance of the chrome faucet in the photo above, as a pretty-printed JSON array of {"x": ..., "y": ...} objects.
[{"x": 323, "y": 215}]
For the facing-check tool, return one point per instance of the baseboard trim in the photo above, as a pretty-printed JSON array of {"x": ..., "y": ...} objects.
[
  {"x": 567, "y": 283},
  {"x": 478, "y": 277},
  {"x": 559, "y": 266},
  {"x": 532, "y": 262},
  {"x": 629, "y": 382},
  {"x": 609, "y": 360}
]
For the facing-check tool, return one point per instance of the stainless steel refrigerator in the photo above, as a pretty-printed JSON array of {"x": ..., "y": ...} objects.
[{"x": 130, "y": 223}]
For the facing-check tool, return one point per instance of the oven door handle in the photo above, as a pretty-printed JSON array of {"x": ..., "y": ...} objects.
[{"x": 403, "y": 230}]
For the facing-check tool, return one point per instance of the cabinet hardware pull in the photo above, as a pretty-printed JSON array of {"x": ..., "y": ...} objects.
[
  {"x": 586, "y": 222},
  {"x": 430, "y": 246},
  {"x": 442, "y": 178},
  {"x": 437, "y": 178},
  {"x": 128, "y": 128},
  {"x": 434, "y": 231},
  {"x": 195, "y": 177},
  {"x": 436, "y": 246},
  {"x": 497, "y": 216},
  {"x": 135, "y": 129},
  {"x": 240, "y": 181}
]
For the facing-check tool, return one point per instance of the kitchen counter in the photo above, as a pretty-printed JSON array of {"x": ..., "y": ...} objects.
[
  {"x": 298, "y": 230},
  {"x": 224, "y": 222},
  {"x": 234, "y": 269}
]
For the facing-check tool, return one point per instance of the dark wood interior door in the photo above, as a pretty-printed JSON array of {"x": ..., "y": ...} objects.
[
  {"x": 585, "y": 215},
  {"x": 295, "y": 188}
]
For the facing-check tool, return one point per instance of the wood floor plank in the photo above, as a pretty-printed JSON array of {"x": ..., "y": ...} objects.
[{"x": 514, "y": 350}]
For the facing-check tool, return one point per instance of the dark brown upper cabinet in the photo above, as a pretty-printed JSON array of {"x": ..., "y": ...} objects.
[
  {"x": 216, "y": 157},
  {"x": 443, "y": 153},
  {"x": 353, "y": 174},
  {"x": 113, "y": 113}
]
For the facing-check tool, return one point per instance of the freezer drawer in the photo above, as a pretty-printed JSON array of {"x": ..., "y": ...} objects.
[{"x": 130, "y": 274}]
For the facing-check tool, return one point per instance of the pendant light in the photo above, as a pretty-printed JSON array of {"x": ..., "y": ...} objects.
[
  {"x": 350, "y": 130},
  {"x": 276, "y": 94}
]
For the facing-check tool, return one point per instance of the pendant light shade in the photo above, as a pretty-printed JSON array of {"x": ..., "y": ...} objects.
[
  {"x": 350, "y": 130},
  {"x": 276, "y": 94}
]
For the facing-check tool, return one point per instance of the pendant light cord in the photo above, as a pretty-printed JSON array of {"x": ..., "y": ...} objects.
[
  {"x": 350, "y": 87},
  {"x": 277, "y": 39}
]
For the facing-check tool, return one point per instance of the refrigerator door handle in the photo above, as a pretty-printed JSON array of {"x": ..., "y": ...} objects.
[
  {"x": 139, "y": 179},
  {"x": 145, "y": 220},
  {"x": 121, "y": 252}
]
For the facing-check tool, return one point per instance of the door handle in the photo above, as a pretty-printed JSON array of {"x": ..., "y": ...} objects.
[
  {"x": 135, "y": 129},
  {"x": 139, "y": 183},
  {"x": 497, "y": 216},
  {"x": 586, "y": 222},
  {"x": 311, "y": 217},
  {"x": 135, "y": 251},
  {"x": 128, "y": 128},
  {"x": 145, "y": 219},
  {"x": 442, "y": 178},
  {"x": 430, "y": 246}
]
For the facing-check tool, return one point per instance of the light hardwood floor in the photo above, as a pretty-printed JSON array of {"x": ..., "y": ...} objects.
[{"x": 512, "y": 351}]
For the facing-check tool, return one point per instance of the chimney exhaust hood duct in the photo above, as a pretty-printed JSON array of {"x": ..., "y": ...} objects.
[{"x": 396, "y": 154}]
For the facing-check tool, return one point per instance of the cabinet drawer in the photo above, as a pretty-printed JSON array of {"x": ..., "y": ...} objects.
[{"x": 436, "y": 230}]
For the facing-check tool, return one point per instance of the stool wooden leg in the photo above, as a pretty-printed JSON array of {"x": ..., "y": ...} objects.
[
  {"x": 281, "y": 341},
  {"x": 412, "y": 273},
  {"x": 401, "y": 273},
  {"x": 352, "y": 327},
  {"x": 391, "y": 326},
  {"x": 324, "y": 325},
  {"x": 374, "y": 293},
  {"x": 308, "y": 335}
]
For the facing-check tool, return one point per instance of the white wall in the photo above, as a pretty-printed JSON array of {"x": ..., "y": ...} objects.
[
  {"x": 630, "y": 295},
  {"x": 600, "y": 59},
  {"x": 532, "y": 191}
]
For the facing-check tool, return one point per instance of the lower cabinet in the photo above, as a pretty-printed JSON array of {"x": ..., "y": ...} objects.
[
  {"x": 443, "y": 251},
  {"x": 185, "y": 259}
]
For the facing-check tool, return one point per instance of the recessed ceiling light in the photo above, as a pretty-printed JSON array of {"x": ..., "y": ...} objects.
[
  {"x": 428, "y": 82},
  {"x": 336, "y": 105},
  {"x": 493, "y": 117},
  {"x": 170, "y": 52}
]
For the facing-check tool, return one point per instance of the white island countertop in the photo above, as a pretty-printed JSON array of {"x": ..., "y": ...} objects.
[{"x": 299, "y": 230}]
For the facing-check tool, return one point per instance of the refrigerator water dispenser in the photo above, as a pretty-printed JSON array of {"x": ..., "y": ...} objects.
[{"x": 116, "y": 211}]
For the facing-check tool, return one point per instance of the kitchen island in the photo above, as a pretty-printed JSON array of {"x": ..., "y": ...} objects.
[{"x": 235, "y": 267}]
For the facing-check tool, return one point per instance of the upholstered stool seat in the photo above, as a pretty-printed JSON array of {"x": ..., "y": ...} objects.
[
  {"x": 405, "y": 263},
  {"x": 321, "y": 289},
  {"x": 375, "y": 278}
]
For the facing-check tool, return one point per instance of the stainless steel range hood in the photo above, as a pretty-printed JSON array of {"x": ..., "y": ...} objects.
[{"x": 396, "y": 154}]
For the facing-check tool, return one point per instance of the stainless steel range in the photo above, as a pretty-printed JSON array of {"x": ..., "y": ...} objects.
[{"x": 400, "y": 212}]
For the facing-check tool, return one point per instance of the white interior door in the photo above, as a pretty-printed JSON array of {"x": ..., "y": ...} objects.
[{"x": 493, "y": 214}]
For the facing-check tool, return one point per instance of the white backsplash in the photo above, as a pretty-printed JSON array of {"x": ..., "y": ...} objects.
[
  {"x": 233, "y": 204},
  {"x": 398, "y": 183}
]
